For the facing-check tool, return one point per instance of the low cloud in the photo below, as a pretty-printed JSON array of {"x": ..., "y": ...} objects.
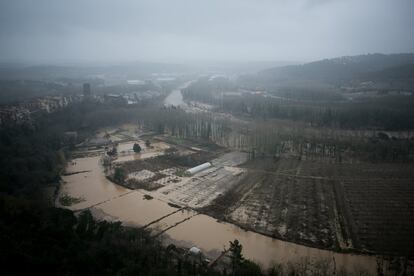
[{"x": 183, "y": 30}]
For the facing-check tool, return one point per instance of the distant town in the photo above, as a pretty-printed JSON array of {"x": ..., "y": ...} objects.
[{"x": 25, "y": 111}]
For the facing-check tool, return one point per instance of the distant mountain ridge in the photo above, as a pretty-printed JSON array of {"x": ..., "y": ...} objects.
[{"x": 344, "y": 68}]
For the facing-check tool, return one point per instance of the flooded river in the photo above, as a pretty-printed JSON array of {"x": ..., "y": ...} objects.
[
  {"x": 175, "y": 98},
  {"x": 112, "y": 202}
]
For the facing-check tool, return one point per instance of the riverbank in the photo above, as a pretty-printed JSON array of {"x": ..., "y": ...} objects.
[{"x": 119, "y": 204}]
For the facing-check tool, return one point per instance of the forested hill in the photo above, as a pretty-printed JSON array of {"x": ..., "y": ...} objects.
[
  {"x": 401, "y": 72},
  {"x": 343, "y": 68}
]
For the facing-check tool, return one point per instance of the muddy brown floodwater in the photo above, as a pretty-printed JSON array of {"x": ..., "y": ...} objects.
[{"x": 109, "y": 201}]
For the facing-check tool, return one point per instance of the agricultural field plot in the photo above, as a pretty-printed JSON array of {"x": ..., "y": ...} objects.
[
  {"x": 341, "y": 206},
  {"x": 166, "y": 174},
  {"x": 376, "y": 202},
  {"x": 151, "y": 180},
  {"x": 381, "y": 214},
  {"x": 276, "y": 203},
  {"x": 230, "y": 159},
  {"x": 301, "y": 210},
  {"x": 141, "y": 175},
  {"x": 167, "y": 180},
  {"x": 359, "y": 171},
  {"x": 199, "y": 190},
  {"x": 179, "y": 158}
]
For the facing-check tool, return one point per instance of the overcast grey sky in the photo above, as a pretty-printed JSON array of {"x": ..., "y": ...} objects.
[{"x": 187, "y": 30}]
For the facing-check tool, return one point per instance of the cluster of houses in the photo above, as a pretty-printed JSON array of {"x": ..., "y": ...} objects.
[
  {"x": 14, "y": 114},
  {"x": 21, "y": 113}
]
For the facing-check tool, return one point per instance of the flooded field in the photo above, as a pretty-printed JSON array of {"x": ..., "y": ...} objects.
[
  {"x": 126, "y": 153},
  {"x": 186, "y": 227},
  {"x": 88, "y": 183}
]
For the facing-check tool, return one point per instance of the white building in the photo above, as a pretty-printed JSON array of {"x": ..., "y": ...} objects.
[{"x": 198, "y": 168}]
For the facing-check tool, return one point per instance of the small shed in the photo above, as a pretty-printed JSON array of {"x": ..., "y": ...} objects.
[{"x": 194, "y": 251}]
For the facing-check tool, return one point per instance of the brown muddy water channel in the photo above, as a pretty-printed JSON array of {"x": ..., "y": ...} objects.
[{"x": 109, "y": 201}]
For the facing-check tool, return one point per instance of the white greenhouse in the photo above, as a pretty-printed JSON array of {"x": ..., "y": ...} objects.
[{"x": 198, "y": 168}]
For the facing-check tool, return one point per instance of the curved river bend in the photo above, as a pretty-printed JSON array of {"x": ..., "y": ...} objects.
[{"x": 112, "y": 202}]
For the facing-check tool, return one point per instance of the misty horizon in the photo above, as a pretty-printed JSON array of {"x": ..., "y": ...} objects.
[
  {"x": 218, "y": 137},
  {"x": 184, "y": 32}
]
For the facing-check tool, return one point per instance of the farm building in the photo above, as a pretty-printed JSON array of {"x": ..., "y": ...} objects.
[{"x": 198, "y": 168}]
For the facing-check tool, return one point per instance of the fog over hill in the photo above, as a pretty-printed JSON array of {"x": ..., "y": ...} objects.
[{"x": 341, "y": 68}]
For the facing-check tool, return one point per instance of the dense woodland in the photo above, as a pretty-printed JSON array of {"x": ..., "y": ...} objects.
[
  {"x": 335, "y": 130},
  {"x": 313, "y": 105}
]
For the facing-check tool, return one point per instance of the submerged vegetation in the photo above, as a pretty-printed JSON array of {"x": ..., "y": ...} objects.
[{"x": 67, "y": 200}]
